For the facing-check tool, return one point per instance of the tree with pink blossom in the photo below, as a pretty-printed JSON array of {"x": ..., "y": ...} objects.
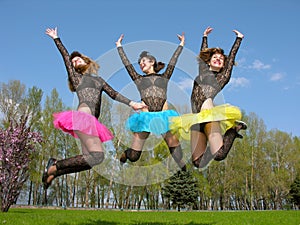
[{"x": 17, "y": 143}]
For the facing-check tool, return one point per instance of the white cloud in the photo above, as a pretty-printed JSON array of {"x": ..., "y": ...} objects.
[
  {"x": 276, "y": 76},
  {"x": 239, "y": 82},
  {"x": 241, "y": 62},
  {"x": 286, "y": 88},
  {"x": 258, "y": 65}
]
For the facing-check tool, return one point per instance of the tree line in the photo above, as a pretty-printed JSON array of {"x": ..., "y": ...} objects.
[{"x": 260, "y": 173}]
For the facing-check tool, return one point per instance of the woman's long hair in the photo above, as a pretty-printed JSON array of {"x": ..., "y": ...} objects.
[
  {"x": 207, "y": 53},
  {"x": 91, "y": 67}
]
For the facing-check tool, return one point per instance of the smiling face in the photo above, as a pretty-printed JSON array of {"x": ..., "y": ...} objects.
[
  {"x": 146, "y": 65},
  {"x": 78, "y": 61},
  {"x": 216, "y": 62}
]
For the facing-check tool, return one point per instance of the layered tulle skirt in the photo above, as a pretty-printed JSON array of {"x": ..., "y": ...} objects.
[
  {"x": 154, "y": 122},
  {"x": 70, "y": 121},
  {"x": 226, "y": 114}
]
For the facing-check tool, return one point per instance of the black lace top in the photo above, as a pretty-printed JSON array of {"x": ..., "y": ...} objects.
[
  {"x": 208, "y": 83},
  {"x": 152, "y": 87},
  {"x": 88, "y": 88}
]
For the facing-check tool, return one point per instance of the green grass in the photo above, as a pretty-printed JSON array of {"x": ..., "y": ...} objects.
[{"x": 36, "y": 216}]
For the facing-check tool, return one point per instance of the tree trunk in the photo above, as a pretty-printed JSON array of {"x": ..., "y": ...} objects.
[{"x": 111, "y": 180}]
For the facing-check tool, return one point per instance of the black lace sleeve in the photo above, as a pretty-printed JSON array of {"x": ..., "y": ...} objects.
[
  {"x": 171, "y": 66},
  {"x": 73, "y": 76},
  {"x": 129, "y": 67},
  {"x": 203, "y": 67},
  {"x": 224, "y": 77},
  {"x": 114, "y": 94},
  {"x": 204, "y": 43}
]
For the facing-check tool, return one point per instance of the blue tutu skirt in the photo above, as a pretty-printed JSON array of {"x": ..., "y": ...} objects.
[{"x": 153, "y": 122}]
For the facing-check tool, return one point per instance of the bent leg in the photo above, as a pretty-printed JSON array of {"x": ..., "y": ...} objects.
[
  {"x": 203, "y": 155},
  {"x": 175, "y": 149},
  {"x": 228, "y": 140},
  {"x": 92, "y": 155},
  {"x": 134, "y": 153},
  {"x": 214, "y": 136},
  {"x": 198, "y": 143},
  {"x": 229, "y": 137}
]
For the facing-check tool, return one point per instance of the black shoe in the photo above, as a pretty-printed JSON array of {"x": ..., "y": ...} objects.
[
  {"x": 51, "y": 162},
  {"x": 242, "y": 124},
  {"x": 239, "y": 135},
  {"x": 183, "y": 168},
  {"x": 123, "y": 158},
  {"x": 196, "y": 162}
]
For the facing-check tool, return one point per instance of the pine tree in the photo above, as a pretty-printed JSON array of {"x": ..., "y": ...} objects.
[
  {"x": 181, "y": 190},
  {"x": 295, "y": 192}
]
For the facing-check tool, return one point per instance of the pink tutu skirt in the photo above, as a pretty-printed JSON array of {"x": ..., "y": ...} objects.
[{"x": 70, "y": 121}]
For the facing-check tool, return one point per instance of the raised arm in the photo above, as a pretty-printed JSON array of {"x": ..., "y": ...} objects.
[
  {"x": 203, "y": 67},
  {"x": 226, "y": 74},
  {"x": 206, "y": 32},
  {"x": 73, "y": 76},
  {"x": 129, "y": 67},
  {"x": 171, "y": 65}
]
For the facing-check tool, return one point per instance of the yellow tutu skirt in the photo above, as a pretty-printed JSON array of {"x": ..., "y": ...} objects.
[{"x": 226, "y": 114}]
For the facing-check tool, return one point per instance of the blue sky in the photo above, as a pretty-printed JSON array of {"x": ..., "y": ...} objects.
[{"x": 266, "y": 80}]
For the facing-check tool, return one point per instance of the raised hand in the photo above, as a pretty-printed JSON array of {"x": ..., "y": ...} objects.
[
  {"x": 52, "y": 32},
  {"x": 238, "y": 34},
  {"x": 207, "y": 31},
  {"x": 181, "y": 38},
  {"x": 119, "y": 41}
]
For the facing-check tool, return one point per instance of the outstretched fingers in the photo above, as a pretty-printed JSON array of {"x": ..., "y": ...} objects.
[
  {"x": 181, "y": 38},
  {"x": 119, "y": 41},
  {"x": 52, "y": 32},
  {"x": 238, "y": 34}
]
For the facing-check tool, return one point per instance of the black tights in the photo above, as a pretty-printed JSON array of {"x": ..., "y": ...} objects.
[
  {"x": 134, "y": 155},
  {"x": 222, "y": 153},
  {"x": 78, "y": 163},
  {"x": 131, "y": 154},
  {"x": 228, "y": 140}
]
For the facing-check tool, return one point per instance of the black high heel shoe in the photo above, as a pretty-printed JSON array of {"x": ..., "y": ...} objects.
[
  {"x": 123, "y": 158},
  {"x": 51, "y": 162},
  {"x": 243, "y": 126}
]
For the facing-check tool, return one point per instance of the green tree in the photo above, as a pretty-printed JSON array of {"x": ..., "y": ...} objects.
[
  {"x": 34, "y": 112},
  {"x": 181, "y": 190},
  {"x": 280, "y": 174},
  {"x": 295, "y": 192},
  {"x": 16, "y": 103},
  {"x": 12, "y": 96}
]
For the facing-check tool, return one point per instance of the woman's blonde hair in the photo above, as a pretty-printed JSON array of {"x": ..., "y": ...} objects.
[{"x": 91, "y": 67}]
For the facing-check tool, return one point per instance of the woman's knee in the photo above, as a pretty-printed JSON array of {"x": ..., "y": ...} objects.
[
  {"x": 142, "y": 135},
  {"x": 94, "y": 158},
  {"x": 171, "y": 139}
]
